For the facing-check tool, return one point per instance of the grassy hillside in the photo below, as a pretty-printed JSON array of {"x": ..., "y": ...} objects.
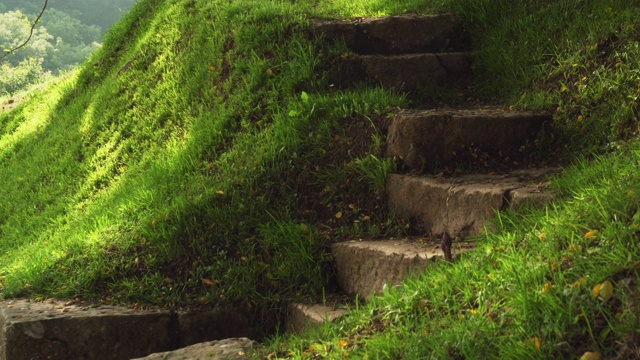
[{"x": 202, "y": 157}]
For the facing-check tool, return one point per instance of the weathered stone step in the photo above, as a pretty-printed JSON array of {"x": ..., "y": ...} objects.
[
  {"x": 426, "y": 140},
  {"x": 397, "y": 34},
  {"x": 226, "y": 349},
  {"x": 55, "y": 330},
  {"x": 462, "y": 206},
  {"x": 411, "y": 71},
  {"x": 364, "y": 267},
  {"x": 303, "y": 316}
]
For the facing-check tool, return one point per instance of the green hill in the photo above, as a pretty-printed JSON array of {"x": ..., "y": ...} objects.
[{"x": 202, "y": 156}]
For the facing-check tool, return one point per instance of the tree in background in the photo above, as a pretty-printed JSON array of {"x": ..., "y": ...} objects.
[
  {"x": 15, "y": 78},
  {"x": 19, "y": 72},
  {"x": 72, "y": 40},
  {"x": 68, "y": 32},
  {"x": 100, "y": 13}
]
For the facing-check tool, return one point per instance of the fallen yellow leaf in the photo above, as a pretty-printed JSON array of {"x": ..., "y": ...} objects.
[
  {"x": 338, "y": 214},
  {"x": 547, "y": 287},
  {"x": 208, "y": 282},
  {"x": 604, "y": 290},
  {"x": 579, "y": 282},
  {"x": 590, "y": 356},
  {"x": 343, "y": 344},
  {"x": 535, "y": 341},
  {"x": 220, "y": 192},
  {"x": 591, "y": 234}
]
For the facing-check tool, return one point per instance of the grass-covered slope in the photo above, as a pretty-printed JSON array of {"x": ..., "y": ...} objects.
[
  {"x": 555, "y": 283},
  {"x": 188, "y": 161},
  {"x": 203, "y": 157}
]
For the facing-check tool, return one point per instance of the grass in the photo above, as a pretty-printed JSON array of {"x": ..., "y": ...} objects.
[
  {"x": 158, "y": 176},
  {"x": 201, "y": 158},
  {"x": 531, "y": 290}
]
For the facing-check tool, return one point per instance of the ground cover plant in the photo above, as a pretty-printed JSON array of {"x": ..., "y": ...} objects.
[
  {"x": 560, "y": 282},
  {"x": 201, "y": 157}
]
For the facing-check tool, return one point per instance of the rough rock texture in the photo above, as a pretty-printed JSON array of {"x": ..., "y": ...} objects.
[
  {"x": 397, "y": 34},
  {"x": 434, "y": 139},
  {"x": 227, "y": 349},
  {"x": 302, "y": 316},
  {"x": 462, "y": 206},
  {"x": 410, "y": 71},
  {"x": 55, "y": 330},
  {"x": 364, "y": 267}
]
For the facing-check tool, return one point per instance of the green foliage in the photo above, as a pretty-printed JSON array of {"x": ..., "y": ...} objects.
[
  {"x": 61, "y": 39},
  {"x": 28, "y": 72},
  {"x": 201, "y": 157},
  {"x": 531, "y": 290},
  {"x": 15, "y": 30},
  {"x": 91, "y": 12},
  {"x": 181, "y": 178},
  {"x": 375, "y": 171}
]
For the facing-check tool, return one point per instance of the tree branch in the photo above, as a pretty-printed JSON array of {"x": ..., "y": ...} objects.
[{"x": 30, "y": 33}]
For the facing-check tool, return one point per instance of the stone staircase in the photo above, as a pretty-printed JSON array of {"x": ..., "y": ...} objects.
[
  {"x": 402, "y": 52},
  {"x": 492, "y": 147},
  {"x": 459, "y": 166}
]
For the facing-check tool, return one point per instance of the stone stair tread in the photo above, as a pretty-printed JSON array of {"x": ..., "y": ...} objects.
[
  {"x": 396, "y": 34},
  {"x": 226, "y": 349},
  {"x": 425, "y": 140},
  {"x": 302, "y": 316},
  {"x": 364, "y": 267},
  {"x": 66, "y": 330},
  {"x": 411, "y": 71},
  {"x": 463, "y": 205}
]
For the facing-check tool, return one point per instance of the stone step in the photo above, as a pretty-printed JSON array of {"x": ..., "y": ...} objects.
[
  {"x": 427, "y": 140},
  {"x": 226, "y": 349},
  {"x": 396, "y": 34},
  {"x": 411, "y": 71},
  {"x": 364, "y": 267},
  {"x": 58, "y": 330},
  {"x": 463, "y": 205},
  {"x": 301, "y": 317}
]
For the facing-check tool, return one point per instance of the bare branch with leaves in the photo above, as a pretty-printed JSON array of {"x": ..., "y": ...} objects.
[{"x": 7, "y": 52}]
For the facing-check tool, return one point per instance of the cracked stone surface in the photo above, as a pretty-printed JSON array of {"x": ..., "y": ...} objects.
[
  {"x": 59, "y": 330},
  {"x": 396, "y": 34},
  {"x": 226, "y": 349},
  {"x": 410, "y": 71},
  {"x": 462, "y": 206},
  {"x": 364, "y": 267},
  {"x": 424, "y": 140}
]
